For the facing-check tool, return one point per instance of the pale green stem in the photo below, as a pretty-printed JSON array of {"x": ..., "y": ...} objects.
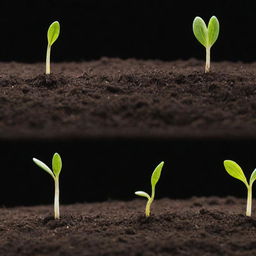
[
  {"x": 208, "y": 60},
  {"x": 147, "y": 211},
  {"x": 56, "y": 199},
  {"x": 48, "y": 60},
  {"x": 249, "y": 201},
  {"x": 150, "y": 201}
]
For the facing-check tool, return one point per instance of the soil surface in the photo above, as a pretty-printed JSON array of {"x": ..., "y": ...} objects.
[
  {"x": 113, "y": 97},
  {"x": 199, "y": 226}
]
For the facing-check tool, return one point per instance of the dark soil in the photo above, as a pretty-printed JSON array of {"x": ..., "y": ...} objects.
[
  {"x": 200, "y": 226},
  {"x": 112, "y": 97}
]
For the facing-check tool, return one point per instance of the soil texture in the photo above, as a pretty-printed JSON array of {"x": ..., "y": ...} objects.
[
  {"x": 199, "y": 226},
  {"x": 128, "y": 98}
]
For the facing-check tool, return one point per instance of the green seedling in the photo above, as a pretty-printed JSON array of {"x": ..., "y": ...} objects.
[
  {"x": 154, "y": 179},
  {"x": 207, "y": 36},
  {"x": 52, "y": 36},
  {"x": 235, "y": 171},
  {"x": 55, "y": 172}
]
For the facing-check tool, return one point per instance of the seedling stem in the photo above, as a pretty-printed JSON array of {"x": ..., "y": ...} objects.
[
  {"x": 48, "y": 60},
  {"x": 249, "y": 202},
  {"x": 149, "y": 202},
  {"x": 57, "y": 199},
  {"x": 208, "y": 60}
]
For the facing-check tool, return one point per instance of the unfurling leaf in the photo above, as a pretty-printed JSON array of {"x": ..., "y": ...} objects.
[{"x": 43, "y": 166}]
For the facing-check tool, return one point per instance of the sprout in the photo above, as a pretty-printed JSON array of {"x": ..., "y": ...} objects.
[
  {"x": 52, "y": 36},
  {"x": 154, "y": 179},
  {"x": 55, "y": 172},
  {"x": 206, "y": 36},
  {"x": 235, "y": 171}
]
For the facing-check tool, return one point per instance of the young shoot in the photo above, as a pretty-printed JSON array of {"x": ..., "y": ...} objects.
[
  {"x": 207, "y": 36},
  {"x": 154, "y": 179},
  {"x": 52, "y": 36},
  {"x": 55, "y": 172},
  {"x": 235, "y": 171}
]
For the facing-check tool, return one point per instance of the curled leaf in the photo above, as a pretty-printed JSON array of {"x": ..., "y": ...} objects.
[
  {"x": 43, "y": 166},
  {"x": 143, "y": 194}
]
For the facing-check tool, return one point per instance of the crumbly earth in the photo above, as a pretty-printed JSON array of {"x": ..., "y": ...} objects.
[
  {"x": 128, "y": 98},
  {"x": 198, "y": 226}
]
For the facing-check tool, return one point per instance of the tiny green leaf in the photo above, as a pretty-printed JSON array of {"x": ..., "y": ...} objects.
[
  {"x": 253, "y": 177},
  {"x": 156, "y": 174},
  {"x": 56, "y": 164},
  {"x": 43, "y": 166},
  {"x": 142, "y": 193},
  {"x": 200, "y": 31},
  {"x": 53, "y": 32},
  {"x": 207, "y": 36},
  {"x": 213, "y": 30},
  {"x": 235, "y": 171}
]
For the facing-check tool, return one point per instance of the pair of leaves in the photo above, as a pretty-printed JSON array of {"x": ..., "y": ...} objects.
[
  {"x": 236, "y": 171},
  {"x": 207, "y": 36},
  {"x": 56, "y": 165},
  {"x": 154, "y": 179},
  {"x": 53, "y": 32}
]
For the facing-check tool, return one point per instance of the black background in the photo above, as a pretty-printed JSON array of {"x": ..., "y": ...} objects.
[
  {"x": 95, "y": 170},
  {"x": 144, "y": 29}
]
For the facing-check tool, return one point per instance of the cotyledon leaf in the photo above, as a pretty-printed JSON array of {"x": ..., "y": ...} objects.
[
  {"x": 53, "y": 32},
  {"x": 156, "y": 174},
  {"x": 142, "y": 193},
  {"x": 56, "y": 164},
  {"x": 200, "y": 31},
  {"x": 213, "y": 30},
  {"x": 235, "y": 171},
  {"x": 43, "y": 166},
  {"x": 253, "y": 177}
]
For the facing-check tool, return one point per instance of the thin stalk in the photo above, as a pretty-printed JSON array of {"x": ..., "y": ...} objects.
[
  {"x": 56, "y": 199},
  {"x": 249, "y": 202},
  {"x": 150, "y": 200},
  {"x": 48, "y": 60},
  {"x": 208, "y": 60},
  {"x": 147, "y": 211}
]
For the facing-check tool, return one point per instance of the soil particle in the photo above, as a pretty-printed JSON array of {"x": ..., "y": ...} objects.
[
  {"x": 124, "y": 98},
  {"x": 175, "y": 227},
  {"x": 48, "y": 81}
]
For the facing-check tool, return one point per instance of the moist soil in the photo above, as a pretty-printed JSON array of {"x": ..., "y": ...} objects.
[
  {"x": 198, "y": 226},
  {"x": 128, "y": 98}
]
